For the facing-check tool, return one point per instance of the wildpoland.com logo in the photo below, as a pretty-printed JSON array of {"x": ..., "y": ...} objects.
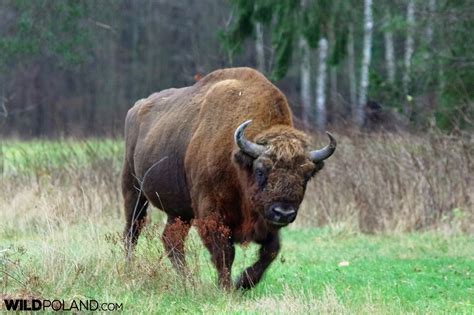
[{"x": 16, "y": 305}]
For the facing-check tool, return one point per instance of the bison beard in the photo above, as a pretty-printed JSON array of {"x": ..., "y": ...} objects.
[{"x": 230, "y": 162}]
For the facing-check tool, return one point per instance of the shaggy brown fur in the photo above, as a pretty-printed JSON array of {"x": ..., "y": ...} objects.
[{"x": 204, "y": 176}]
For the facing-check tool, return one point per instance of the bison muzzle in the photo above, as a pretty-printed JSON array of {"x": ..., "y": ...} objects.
[{"x": 222, "y": 155}]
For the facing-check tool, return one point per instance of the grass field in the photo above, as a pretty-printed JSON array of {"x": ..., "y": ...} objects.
[{"x": 60, "y": 224}]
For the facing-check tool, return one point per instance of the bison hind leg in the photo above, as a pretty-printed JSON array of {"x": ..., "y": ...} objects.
[
  {"x": 173, "y": 238},
  {"x": 135, "y": 205},
  {"x": 135, "y": 221}
]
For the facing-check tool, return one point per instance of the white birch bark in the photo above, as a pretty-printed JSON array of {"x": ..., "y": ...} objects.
[
  {"x": 259, "y": 47},
  {"x": 305, "y": 81},
  {"x": 389, "y": 50},
  {"x": 351, "y": 69},
  {"x": 432, "y": 46},
  {"x": 409, "y": 48},
  {"x": 429, "y": 26},
  {"x": 333, "y": 87},
  {"x": 332, "y": 69},
  {"x": 321, "y": 115},
  {"x": 366, "y": 56}
]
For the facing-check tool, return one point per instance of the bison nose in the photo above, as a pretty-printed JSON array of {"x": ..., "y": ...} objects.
[{"x": 284, "y": 213}]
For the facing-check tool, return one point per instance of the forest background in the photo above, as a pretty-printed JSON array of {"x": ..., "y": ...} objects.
[{"x": 73, "y": 68}]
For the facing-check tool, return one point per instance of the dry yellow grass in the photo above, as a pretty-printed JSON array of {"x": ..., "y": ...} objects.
[
  {"x": 373, "y": 183},
  {"x": 391, "y": 182}
]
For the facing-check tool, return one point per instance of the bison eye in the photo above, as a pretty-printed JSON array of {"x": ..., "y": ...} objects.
[{"x": 260, "y": 177}]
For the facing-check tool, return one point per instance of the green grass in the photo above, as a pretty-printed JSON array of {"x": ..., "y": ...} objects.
[
  {"x": 38, "y": 156},
  {"x": 413, "y": 273}
]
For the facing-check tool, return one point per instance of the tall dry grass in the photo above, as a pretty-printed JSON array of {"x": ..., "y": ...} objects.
[
  {"x": 373, "y": 183},
  {"x": 45, "y": 185},
  {"x": 395, "y": 182}
]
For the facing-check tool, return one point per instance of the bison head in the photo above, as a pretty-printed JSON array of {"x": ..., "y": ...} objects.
[{"x": 276, "y": 169}]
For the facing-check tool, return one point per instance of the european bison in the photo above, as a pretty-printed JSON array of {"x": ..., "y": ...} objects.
[{"x": 223, "y": 153}]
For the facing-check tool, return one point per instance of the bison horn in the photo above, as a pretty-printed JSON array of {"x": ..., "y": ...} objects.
[
  {"x": 247, "y": 146},
  {"x": 324, "y": 153}
]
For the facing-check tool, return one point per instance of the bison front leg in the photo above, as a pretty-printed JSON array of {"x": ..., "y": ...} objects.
[
  {"x": 217, "y": 238},
  {"x": 174, "y": 235},
  {"x": 268, "y": 251}
]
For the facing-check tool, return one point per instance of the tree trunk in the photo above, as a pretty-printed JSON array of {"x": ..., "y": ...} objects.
[
  {"x": 332, "y": 71},
  {"x": 366, "y": 55},
  {"x": 389, "y": 50},
  {"x": 333, "y": 104},
  {"x": 351, "y": 70},
  {"x": 305, "y": 81},
  {"x": 321, "y": 115},
  {"x": 3, "y": 108},
  {"x": 429, "y": 26},
  {"x": 259, "y": 47},
  {"x": 135, "y": 36},
  {"x": 409, "y": 47}
]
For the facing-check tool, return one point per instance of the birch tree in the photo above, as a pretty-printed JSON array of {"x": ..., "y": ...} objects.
[
  {"x": 305, "y": 75},
  {"x": 305, "y": 81},
  {"x": 438, "y": 69},
  {"x": 389, "y": 50},
  {"x": 259, "y": 47},
  {"x": 321, "y": 115},
  {"x": 409, "y": 48},
  {"x": 366, "y": 56},
  {"x": 351, "y": 69},
  {"x": 333, "y": 67},
  {"x": 429, "y": 26}
]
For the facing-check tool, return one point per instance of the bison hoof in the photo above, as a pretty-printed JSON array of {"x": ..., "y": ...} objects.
[{"x": 244, "y": 283}]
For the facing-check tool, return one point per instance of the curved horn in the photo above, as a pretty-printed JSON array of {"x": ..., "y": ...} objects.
[
  {"x": 324, "y": 153},
  {"x": 247, "y": 146}
]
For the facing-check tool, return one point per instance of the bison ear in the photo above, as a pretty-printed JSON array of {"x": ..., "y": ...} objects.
[{"x": 243, "y": 160}]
